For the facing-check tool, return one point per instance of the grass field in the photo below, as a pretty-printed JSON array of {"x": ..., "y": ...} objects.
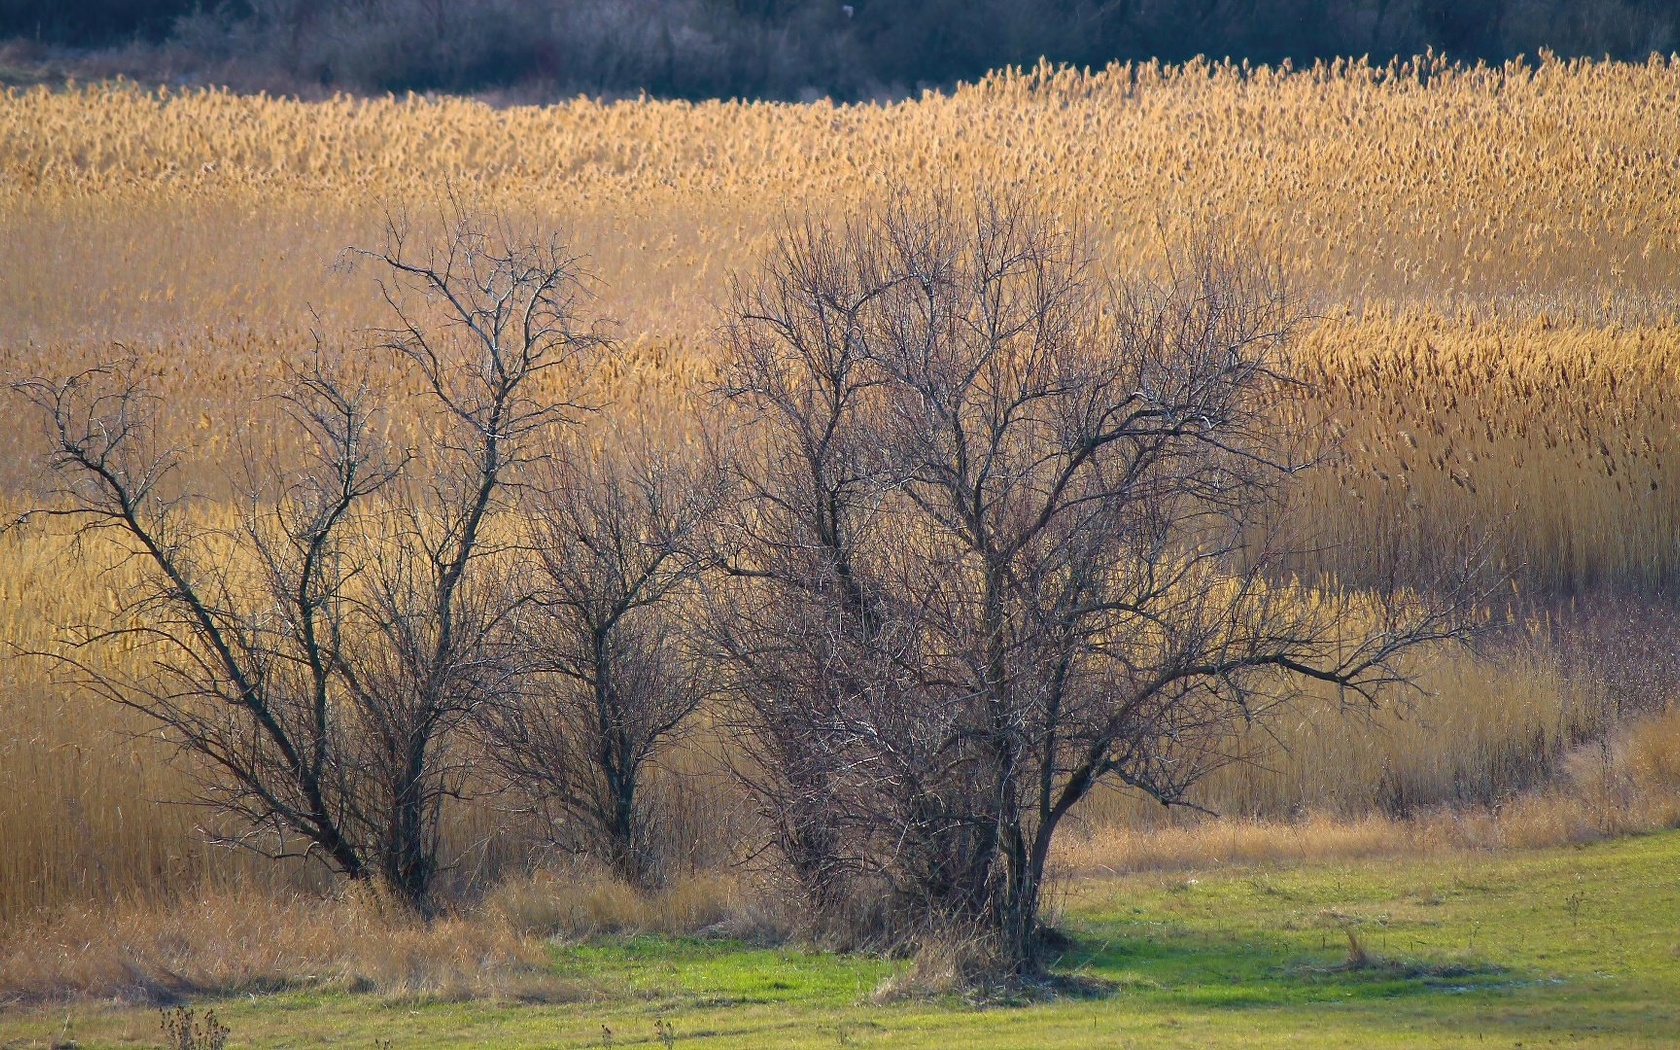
[{"x": 1577, "y": 946}]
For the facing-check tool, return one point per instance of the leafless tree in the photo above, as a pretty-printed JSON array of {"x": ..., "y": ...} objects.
[
  {"x": 318, "y": 656},
  {"x": 484, "y": 321},
  {"x": 609, "y": 676},
  {"x": 243, "y": 649},
  {"x": 1007, "y": 538}
]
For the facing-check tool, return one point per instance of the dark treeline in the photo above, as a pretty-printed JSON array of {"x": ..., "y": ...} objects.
[{"x": 790, "y": 48}]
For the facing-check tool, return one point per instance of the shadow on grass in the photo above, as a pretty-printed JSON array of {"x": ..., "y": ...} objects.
[
  {"x": 1190, "y": 967},
  {"x": 1174, "y": 965}
]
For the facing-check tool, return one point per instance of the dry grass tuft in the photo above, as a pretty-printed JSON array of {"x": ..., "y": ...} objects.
[
  {"x": 941, "y": 967},
  {"x": 260, "y": 941},
  {"x": 584, "y": 904},
  {"x": 256, "y": 942}
]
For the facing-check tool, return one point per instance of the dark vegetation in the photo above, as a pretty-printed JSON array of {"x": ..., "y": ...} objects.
[{"x": 770, "y": 48}]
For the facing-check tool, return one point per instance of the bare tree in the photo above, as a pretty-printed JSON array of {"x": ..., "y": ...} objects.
[
  {"x": 792, "y": 618},
  {"x": 490, "y": 326},
  {"x": 1008, "y": 539},
  {"x": 610, "y": 678},
  {"x": 243, "y": 649},
  {"x": 319, "y": 656}
]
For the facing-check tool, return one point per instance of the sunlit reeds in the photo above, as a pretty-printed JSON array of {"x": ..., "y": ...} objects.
[{"x": 1487, "y": 256}]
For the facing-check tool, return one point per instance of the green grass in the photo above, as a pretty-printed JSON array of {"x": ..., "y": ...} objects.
[{"x": 1577, "y": 947}]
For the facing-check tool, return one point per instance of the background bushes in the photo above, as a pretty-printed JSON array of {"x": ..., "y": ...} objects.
[{"x": 787, "y": 48}]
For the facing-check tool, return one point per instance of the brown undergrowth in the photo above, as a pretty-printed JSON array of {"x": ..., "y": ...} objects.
[
  {"x": 255, "y": 940},
  {"x": 259, "y": 940},
  {"x": 1627, "y": 782}
]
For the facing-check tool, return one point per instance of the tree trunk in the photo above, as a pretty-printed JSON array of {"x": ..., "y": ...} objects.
[
  {"x": 1018, "y": 910},
  {"x": 628, "y": 859},
  {"x": 409, "y": 865}
]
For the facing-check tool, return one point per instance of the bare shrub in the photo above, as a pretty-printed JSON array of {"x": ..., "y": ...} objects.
[
  {"x": 1004, "y": 541},
  {"x": 183, "y": 1030},
  {"x": 608, "y": 678}
]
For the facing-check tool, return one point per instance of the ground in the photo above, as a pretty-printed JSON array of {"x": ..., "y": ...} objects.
[{"x": 1577, "y": 946}]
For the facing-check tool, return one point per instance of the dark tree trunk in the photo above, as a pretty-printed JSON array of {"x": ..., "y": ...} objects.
[{"x": 410, "y": 862}]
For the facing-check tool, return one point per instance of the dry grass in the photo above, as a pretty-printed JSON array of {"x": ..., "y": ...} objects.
[
  {"x": 1490, "y": 253},
  {"x": 251, "y": 941},
  {"x": 1554, "y": 444},
  {"x": 1486, "y": 181},
  {"x": 1481, "y": 727},
  {"x": 256, "y": 940},
  {"x": 1629, "y": 782},
  {"x": 1491, "y": 250}
]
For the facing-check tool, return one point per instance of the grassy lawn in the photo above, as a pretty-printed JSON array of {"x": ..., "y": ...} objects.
[{"x": 1577, "y": 947}]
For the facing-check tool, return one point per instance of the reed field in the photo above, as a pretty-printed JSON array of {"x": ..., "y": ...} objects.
[{"x": 1489, "y": 261}]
